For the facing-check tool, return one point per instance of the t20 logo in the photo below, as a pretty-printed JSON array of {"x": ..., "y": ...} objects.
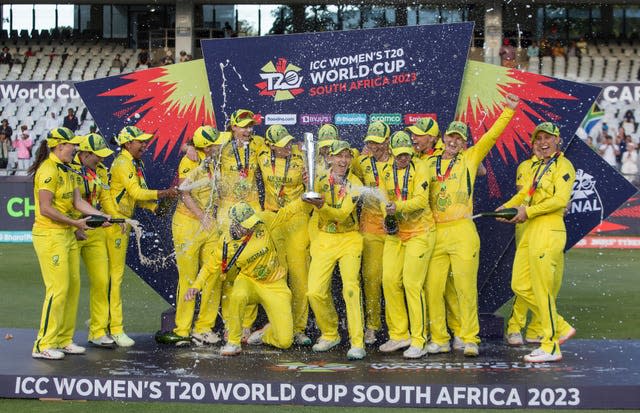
[{"x": 281, "y": 80}]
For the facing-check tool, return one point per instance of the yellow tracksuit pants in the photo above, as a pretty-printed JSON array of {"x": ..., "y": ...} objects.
[
  {"x": 292, "y": 242},
  {"x": 274, "y": 297},
  {"x": 117, "y": 244},
  {"x": 94, "y": 254},
  {"x": 536, "y": 274},
  {"x": 518, "y": 319},
  {"x": 452, "y": 306},
  {"x": 193, "y": 245},
  {"x": 327, "y": 250},
  {"x": 372, "y": 252},
  {"x": 404, "y": 271},
  {"x": 457, "y": 248},
  {"x": 59, "y": 260}
]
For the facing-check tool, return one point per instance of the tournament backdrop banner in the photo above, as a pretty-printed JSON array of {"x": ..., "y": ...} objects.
[
  {"x": 171, "y": 102},
  {"x": 142, "y": 97},
  {"x": 599, "y": 189},
  {"x": 37, "y": 90},
  {"x": 348, "y": 78}
]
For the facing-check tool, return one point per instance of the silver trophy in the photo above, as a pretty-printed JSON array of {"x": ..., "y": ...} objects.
[{"x": 310, "y": 149}]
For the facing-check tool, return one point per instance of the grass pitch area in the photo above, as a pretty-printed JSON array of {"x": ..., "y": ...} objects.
[{"x": 599, "y": 297}]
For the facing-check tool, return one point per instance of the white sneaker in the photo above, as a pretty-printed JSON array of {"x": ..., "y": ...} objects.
[
  {"x": 457, "y": 343},
  {"x": 393, "y": 345},
  {"x": 471, "y": 350},
  {"x": 123, "y": 340},
  {"x": 230, "y": 350},
  {"x": 369, "y": 336},
  {"x": 515, "y": 339},
  {"x": 73, "y": 348},
  {"x": 324, "y": 345},
  {"x": 301, "y": 339},
  {"x": 103, "y": 341},
  {"x": 255, "y": 339},
  {"x": 564, "y": 338},
  {"x": 356, "y": 353},
  {"x": 435, "y": 348},
  {"x": 48, "y": 354},
  {"x": 414, "y": 352},
  {"x": 540, "y": 356},
  {"x": 201, "y": 339}
]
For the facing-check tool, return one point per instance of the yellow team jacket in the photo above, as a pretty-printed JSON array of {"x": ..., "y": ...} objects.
[
  {"x": 127, "y": 188},
  {"x": 258, "y": 260},
  {"x": 452, "y": 199},
  {"x": 93, "y": 187},
  {"x": 371, "y": 217},
  {"x": 553, "y": 192},
  {"x": 339, "y": 213},
  {"x": 54, "y": 176},
  {"x": 238, "y": 175},
  {"x": 281, "y": 190},
  {"x": 414, "y": 214},
  {"x": 195, "y": 171}
]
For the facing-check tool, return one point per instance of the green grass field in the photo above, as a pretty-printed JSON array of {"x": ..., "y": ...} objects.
[{"x": 599, "y": 298}]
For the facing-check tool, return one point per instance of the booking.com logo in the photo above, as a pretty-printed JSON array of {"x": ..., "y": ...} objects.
[{"x": 281, "y": 80}]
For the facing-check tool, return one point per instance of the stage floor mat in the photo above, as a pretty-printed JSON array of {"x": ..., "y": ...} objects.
[{"x": 592, "y": 374}]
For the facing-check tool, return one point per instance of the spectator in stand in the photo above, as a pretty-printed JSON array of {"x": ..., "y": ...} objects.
[
  {"x": 94, "y": 129},
  {"x": 507, "y": 54},
  {"x": 628, "y": 126},
  {"x": 6, "y": 129},
  {"x": 533, "y": 50},
  {"x": 545, "y": 48},
  {"x": 71, "y": 121},
  {"x": 143, "y": 58},
  {"x": 23, "y": 144},
  {"x": 116, "y": 62},
  {"x": 609, "y": 150},
  {"x": 5, "y": 147},
  {"x": 5, "y": 56},
  {"x": 168, "y": 58},
  {"x": 228, "y": 30},
  {"x": 52, "y": 122},
  {"x": 29, "y": 53},
  {"x": 629, "y": 166},
  {"x": 183, "y": 56},
  {"x": 558, "y": 50},
  {"x": 582, "y": 47}
]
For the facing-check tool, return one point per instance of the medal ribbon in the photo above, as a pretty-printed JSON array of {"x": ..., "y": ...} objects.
[
  {"x": 401, "y": 194},
  {"x": 225, "y": 248},
  {"x": 538, "y": 177},
  {"x": 287, "y": 164},
  {"x": 243, "y": 170},
  {"x": 442, "y": 178},
  {"x": 374, "y": 169},
  {"x": 88, "y": 177},
  {"x": 140, "y": 172},
  {"x": 341, "y": 192}
]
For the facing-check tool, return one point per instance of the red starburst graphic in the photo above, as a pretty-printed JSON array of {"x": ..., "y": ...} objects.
[{"x": 157, "y": 96}]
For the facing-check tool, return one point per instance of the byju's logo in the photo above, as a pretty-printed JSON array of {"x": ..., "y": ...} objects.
[
  {"x": 282, "y": 80},
  {"x": 585, "y": 197}
]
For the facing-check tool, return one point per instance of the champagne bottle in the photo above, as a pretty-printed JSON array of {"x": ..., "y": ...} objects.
[
  {"x": 96, "y": 221},
  {"x": 507, "y": 213},
  {"x": 391, "y": 224}
]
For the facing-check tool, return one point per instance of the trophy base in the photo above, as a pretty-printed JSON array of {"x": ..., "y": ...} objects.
[{"x": 311, "y": 195}]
